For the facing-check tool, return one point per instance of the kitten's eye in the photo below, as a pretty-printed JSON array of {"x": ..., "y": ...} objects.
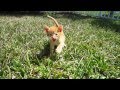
[
  {"x": 56, "y": 34},
  {"x": 48, "y": 34}
]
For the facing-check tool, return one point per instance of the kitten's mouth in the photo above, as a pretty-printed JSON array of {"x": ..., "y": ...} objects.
[{"x": 53, "y": 39}]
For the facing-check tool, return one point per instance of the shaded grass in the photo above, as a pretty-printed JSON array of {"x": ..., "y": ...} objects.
[
  {"x": 93, "y": 48},
  {"x": 108, "y": 24}
]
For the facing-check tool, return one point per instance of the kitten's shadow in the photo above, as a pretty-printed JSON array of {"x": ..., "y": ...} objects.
[{"x": 45, "y": 52}]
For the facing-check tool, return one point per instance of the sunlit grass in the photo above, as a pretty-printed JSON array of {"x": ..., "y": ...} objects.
[{"x": 92, "y": 51}]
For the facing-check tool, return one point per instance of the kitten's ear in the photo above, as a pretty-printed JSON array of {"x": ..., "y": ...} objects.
[
  {"x": 46, "y": 28},
  {"x": 60, "y": 28}
]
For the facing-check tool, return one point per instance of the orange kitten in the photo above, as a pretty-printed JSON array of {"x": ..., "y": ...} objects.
[{"x": 56, "y": 36}]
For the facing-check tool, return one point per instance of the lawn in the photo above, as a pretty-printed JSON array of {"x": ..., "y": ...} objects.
[{"x": 93, "y": 48}]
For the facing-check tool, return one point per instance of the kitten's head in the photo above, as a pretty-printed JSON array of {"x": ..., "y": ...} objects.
[{"x": 53, "y": 32}]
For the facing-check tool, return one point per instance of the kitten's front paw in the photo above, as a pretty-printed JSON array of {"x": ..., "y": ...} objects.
[{"x": 58, "y": 50}]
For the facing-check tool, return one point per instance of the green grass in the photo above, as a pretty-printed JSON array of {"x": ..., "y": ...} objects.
[{"x": 93, "y": 48}]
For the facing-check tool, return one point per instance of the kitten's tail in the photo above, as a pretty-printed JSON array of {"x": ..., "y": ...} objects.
[{"x": 53, "y": 20}]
